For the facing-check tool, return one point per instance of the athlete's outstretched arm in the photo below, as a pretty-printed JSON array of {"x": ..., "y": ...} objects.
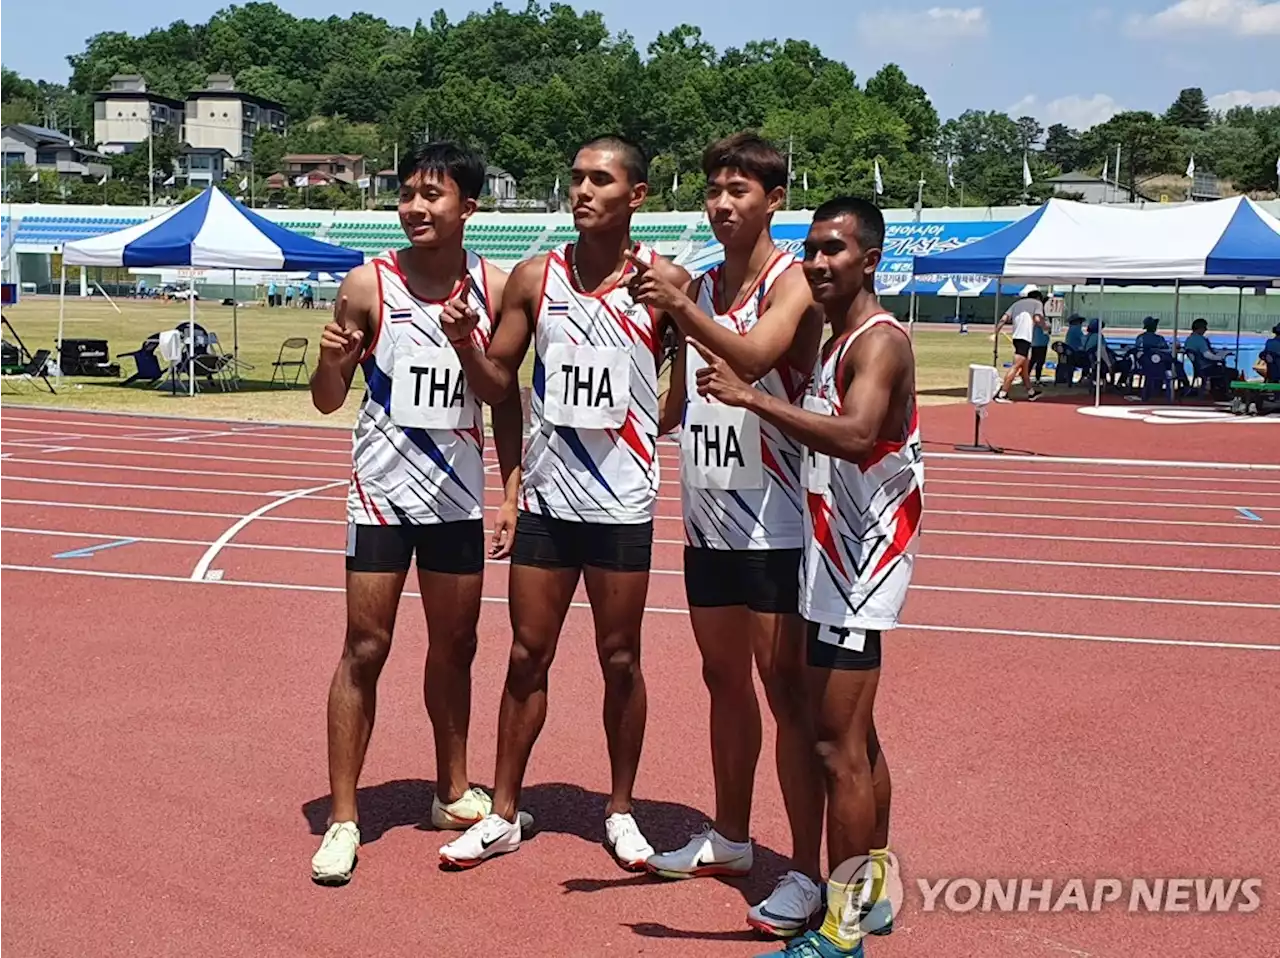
[
  {"x": 752, "y": 355},
  {"x": 345, "y": 337},
  {"x": 494, "y": 373},
  {"x": 878, "y": 360}
]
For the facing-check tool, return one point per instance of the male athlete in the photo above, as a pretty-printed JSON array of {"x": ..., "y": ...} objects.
[
  {"x": 743, "y": 523},
  {"x": 417, "y": 483},
  {"x": 863, "y": 477},
  {"x": 589, "y": 481}
]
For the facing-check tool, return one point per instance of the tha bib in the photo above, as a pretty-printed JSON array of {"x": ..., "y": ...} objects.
[
  {"x": 720, "y": 447},
  {"x": 815, "y": 469},
  {"x": 429, "y": 390},
  {"x": 586, "y": 387}
]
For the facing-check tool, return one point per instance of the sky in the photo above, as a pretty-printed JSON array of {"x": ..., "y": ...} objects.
[{"x": 1075, "y": 63}]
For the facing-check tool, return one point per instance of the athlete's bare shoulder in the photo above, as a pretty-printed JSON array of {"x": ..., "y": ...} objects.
[
  {"x": 360, "y": 289},
  {"x": 883, "y": 350},
  {"x": 524, "y": 284},
  {"x": 495, "y": 281}
]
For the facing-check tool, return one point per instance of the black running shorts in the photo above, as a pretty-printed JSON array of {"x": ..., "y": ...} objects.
[
  {"x": 829, "y": 647},
  {"x": 1022, "y": 347},
  {"x": 764, "y": 580},
  {"x": 552, "y": 543},
  {"x": 455, "y": 548}
]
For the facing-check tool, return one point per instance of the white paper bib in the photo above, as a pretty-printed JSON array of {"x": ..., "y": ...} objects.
[
  {"x": 586, "y": 387},
  {"x": 429, "y": 390},
  {"x": 720, "y": 447},
  {"x": 815, "y": 468}
]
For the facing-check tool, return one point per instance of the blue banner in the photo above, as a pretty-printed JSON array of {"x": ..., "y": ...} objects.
[{"x": 902, "y": 241}]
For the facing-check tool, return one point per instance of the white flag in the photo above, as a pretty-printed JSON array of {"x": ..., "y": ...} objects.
[
  {"x": 300, "y": 180},
  {"x": 879, "y": 181},
  {"x": 1191, "y": 167},
  {"x": 173, "y": 178},
  {"x": 804, "y": 180},
  {"x": 35, "y": 177},
  {"x": 1026, "y": 171},
  {"x": 556, "y": 189},
  {"x": 244, "y": 184},
  {"x": 363, "y": 182},
  {"x": 1106, "y": 168},
  {"x": 675, "y": 183},
  {"x": 103, "y": 181},
  {"x": 951, "y": 171}
]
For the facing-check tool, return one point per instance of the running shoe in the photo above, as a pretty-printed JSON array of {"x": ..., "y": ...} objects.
[
  {"x": 877, "y": 918},
  {"x": 473, "y": 805},
  {"x": 334, "y": 862},
  {"x": 623, "y": 838},
  {"x": 492, "y": 835},
  {"x": 792, "y": 904},
  {"x": 707, "y": 853},
  {"x": 813, "y": 945}
]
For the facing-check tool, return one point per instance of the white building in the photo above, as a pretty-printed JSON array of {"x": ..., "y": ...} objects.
[{"x": 220, "y": 116}]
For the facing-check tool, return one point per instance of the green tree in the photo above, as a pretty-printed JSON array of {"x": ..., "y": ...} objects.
[{"x": 1189, "y": 110}]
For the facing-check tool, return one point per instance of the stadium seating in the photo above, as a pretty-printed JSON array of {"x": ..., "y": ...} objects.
[{"x": 52, "y": 230}]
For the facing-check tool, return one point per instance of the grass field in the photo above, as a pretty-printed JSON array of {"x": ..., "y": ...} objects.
[{"x": 942, "y": 358}]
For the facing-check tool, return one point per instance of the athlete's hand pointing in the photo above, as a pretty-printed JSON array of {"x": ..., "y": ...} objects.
[
  {"x": 338, "y": 344},
  {"x": 651, "y": 289},
  {"x": 459, "y": 320},
  {"x": 717, "y": 379}
]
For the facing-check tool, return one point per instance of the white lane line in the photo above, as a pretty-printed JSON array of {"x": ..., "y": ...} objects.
[
  {"x": 659, "y": 610},
  {"x": 1023, "y": 473},
  {"x": 152, "y": 511},
  {"x": 316, "y": 550},
  {"x": 1101, "y": 540},
  {"x": 1093, "y": 461},
  {"x": 932, "y": 482},
  {"x": 67, "y": 463},
  {"x": 202, "y": 567},
  {"x": 1058, "y": 500}
]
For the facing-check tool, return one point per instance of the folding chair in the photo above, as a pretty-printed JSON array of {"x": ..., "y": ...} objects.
[
  {"x": 34, "y": 370},
  {"x": 293, "y": 343}
]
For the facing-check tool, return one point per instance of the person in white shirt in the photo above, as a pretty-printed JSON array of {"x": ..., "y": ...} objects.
[{"x": 1025, "y": 315}]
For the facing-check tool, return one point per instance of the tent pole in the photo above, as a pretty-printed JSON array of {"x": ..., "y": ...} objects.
[
  {"x": 911, "y": 314},
  {"x": 235, "y": 325},
  {"x": 1244, "y": 373},
  {"x": 1177, "y": 302},
  {"x": 62, "y": 308},
  {"x": 995, "y": 321},
  {"x": 191, "y": 336},
  {"x": 1097, "y": 359}
]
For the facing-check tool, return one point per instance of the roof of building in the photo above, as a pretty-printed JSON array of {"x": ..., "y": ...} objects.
[{"x": 41, "y": 134}]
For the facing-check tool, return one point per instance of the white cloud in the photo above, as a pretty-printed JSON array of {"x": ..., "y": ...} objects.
[
  {"x": 1246, "y": 18},
  {"x": 934, "y": 27},
  {"x": 1260, "y": 98},
  {"x": 1077, "y": 112}
]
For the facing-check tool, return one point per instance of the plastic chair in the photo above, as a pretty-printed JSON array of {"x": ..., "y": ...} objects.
[
  {"x": 293, "y": 343},
  {"x": 1156, "y": 369}
]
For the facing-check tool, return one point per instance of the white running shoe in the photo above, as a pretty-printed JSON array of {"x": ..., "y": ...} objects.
[
  {"x": 789, "y": 908},
  {"x": 707, "y": 853},
  {"x": 492, "y": 835},
  {"x": 626, "y": 843},
  {"x": 333, "y": 863}
]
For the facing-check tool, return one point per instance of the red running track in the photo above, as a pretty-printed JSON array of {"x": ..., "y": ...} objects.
[{"x": 1085, "y": 689}]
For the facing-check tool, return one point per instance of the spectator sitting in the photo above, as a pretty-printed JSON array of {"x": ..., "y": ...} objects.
[
  {"x": 1075, "y": 333},
  {"x": 1150, "y": 340},
  {"x": 1210, "y": 363},
  {"x": 1118, "y": 368},
  {"x": 1271, "y": 356}
]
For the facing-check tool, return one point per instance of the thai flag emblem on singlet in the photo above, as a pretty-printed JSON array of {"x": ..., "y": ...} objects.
[
  {"x": 401, "y": 315},
  {"x": 558, "y": 309}
]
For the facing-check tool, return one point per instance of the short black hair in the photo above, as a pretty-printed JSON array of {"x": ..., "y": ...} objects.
[
  {"x": 461, "y": 164},
  {"x": 870, "y": 231},
  {"x": 634, "y": 160},
  {"x": 752, "y": 154}
]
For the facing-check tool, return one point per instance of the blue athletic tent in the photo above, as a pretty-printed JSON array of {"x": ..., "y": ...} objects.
[{"x": 211, "y": 231}]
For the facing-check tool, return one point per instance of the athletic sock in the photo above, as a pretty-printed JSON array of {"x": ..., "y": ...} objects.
[
  {"x": 842, "y": 924},
  {"x": 880, "y": 861}
]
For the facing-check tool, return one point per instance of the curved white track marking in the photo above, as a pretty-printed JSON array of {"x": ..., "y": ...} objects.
[
  {"x": 202, "y": 567},
  {"x": 659, "y": 610}
]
